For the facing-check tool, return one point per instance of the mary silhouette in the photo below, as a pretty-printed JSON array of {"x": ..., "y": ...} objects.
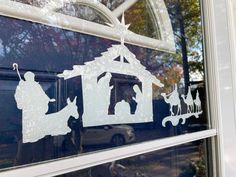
[{"x": 138, "y": 99}]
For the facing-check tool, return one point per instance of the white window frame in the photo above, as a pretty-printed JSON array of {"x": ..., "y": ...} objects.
[
  {"x": 221, "y": 56},
  {"x": 223, "y": 52},
  {"x": 82, "y": 161},
  {"x": 49, "y": 17},
  {"x": 66, "y": 165}
]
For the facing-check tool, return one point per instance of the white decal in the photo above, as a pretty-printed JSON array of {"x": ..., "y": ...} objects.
[
  {"x": 174, "y": 100},
  {"x": 122, "y": 108},
  {"x": 139, "y": 99},
  {"x": 97, "y": 92},
  {"x": 33, "y": 102},
  {"x": 189, "y": 101},
  {"x": 197, "y": 103},
  {"x": 104, "y": 92}
]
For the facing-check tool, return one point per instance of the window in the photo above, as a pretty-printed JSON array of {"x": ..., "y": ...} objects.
[
  {"x": 74, "y": 46},
  {"x": 84, "y": 12},
  {"x": 159, "y": 15},
  {"x": 185, "y": 160}
]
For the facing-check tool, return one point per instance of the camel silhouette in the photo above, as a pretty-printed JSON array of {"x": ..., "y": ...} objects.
[
  {"x": 197, "y": 103},
  {"x": 188, "y": 101},
  {"x": 173, "y": 100}
]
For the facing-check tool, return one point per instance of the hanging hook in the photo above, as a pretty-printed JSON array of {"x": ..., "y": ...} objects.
[{"x": 15, "y": 67}]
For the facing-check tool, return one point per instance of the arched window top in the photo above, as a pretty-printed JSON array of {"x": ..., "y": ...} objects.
[
  {"x": 83, "y": 11},
  {"x": 101, "y": 13}
]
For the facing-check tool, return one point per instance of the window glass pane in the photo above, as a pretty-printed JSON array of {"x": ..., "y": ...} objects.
[
  {"x": 37, "y": 3},
  {"x": 142, "y": 20},
  {"x": 112, "y": 4},
  {"x": 187, "y": 160},
  {"x": 13, "y": 152},
  {"x": 48, "y": 51},
  {"x": 72, "y": 9},
  {"x": 108, "y": 3},
  {"x": 83, "y": 12},
  {"x": 140, "y": 15}
]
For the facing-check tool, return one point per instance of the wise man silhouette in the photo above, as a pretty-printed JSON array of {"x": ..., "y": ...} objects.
[{"x": 174, "y": 100}]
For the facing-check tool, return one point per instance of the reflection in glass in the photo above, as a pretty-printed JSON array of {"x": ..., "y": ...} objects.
[
  {"x": 84, "y": 12},
  {"x": 12, "y": 150},
  {"x": 186, "y": 160},
  {"x": 112, "y": 4},
  {"x": 187, "y": 25},
  {"x": 48, "y": 51},
  {"x": 37, "y": 3},
  {"x": 142, "y": 20},
  {"x": 115, "y": 135}
]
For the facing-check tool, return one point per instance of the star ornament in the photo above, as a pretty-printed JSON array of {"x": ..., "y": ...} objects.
[{"x": 121, "y": 29}]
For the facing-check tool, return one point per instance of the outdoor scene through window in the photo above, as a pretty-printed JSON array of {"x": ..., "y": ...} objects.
[
  {"x": 180, "y": 161},
  {"x": 106, "y": 93}
]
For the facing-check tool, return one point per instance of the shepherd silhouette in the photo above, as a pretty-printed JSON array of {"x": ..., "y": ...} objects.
[
  {"x": 36, "y": 124},
  {"x": 30, "y": 96}
]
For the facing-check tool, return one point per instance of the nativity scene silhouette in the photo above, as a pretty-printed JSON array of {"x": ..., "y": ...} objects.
[
  {"x": 97, "y": 93},
  {"x": 96, "y": 76},
  {"x": 118, "y": 59},
  {"x": 33, "y": 101}
]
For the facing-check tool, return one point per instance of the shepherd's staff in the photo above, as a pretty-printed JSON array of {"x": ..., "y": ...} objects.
[{"x": 15, "y": 67}]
